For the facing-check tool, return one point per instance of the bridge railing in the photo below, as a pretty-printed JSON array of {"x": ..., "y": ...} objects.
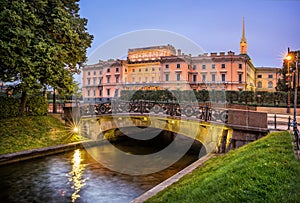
[{"x": 171, "y": 108}]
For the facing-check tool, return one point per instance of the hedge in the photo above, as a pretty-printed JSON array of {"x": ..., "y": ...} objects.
[
  {"x": 214, "y": 96},
  {"x": 10, "y": 106}
]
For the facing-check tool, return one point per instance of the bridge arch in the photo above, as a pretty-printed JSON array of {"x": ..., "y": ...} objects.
[{"x": 213, "y": 136}]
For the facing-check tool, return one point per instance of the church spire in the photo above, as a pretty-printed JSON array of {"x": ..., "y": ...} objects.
[{"x": 243, "y": 43}]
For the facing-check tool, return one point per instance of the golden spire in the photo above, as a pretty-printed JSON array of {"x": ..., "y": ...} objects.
[{"x": 243, "y": 43}]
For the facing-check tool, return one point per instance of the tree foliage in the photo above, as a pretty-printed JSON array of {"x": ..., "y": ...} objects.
[
  {"x": 287, "y": 72},
  {"x": 42, "y": 43}
]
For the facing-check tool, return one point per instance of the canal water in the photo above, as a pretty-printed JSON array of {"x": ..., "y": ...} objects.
[{"x": 75, "y": 176}]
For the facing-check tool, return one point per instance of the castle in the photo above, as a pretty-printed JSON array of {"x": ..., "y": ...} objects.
[{"x": 164, "y": 67}]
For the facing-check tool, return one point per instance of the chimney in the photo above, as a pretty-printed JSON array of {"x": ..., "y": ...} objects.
[{"x": 179, "y": 52}]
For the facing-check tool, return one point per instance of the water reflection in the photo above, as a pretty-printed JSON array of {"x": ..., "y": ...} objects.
[{"x": 75, "y": 176}]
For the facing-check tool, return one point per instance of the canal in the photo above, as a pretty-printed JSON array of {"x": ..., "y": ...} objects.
[{"x": 75, "y": 176}]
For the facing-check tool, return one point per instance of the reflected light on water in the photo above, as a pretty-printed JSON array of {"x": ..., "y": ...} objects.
[{"x": 75, "y": 176}]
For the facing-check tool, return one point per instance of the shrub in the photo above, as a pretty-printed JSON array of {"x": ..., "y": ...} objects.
[
  {"x": 10, "y": 107},
  {"x": 37, "y": 106}
]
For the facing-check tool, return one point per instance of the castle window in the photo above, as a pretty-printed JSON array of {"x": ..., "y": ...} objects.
[
  {"x": 270, "y": 84},
  {"x": 213, "y": 77},
  {"x": 223, "y": 77},
  {"x": 108, "y": 78},
  {"x": 167, "y": 77},
  {"x": 194, "y": 78},
  {"x": 203, "y": 78},
  {"x": 240, "y": 78},
  {"x": 259, "y": 84},
  {"x": 178, "y": 76}
]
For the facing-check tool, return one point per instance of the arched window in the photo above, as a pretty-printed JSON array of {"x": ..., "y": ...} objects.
[
  {"x": 259, "y": 84},
  {"x": 270, "y": 84}
]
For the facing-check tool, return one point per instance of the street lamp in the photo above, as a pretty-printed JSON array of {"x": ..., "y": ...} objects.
[
  {"x": 295, "y": 94},
  {"x": 288, "y": 58}
]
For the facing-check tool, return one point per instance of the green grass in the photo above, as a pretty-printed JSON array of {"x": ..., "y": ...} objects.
[
  {"x": 262, "y": 171},
  {"x": 29, "y": 132}
]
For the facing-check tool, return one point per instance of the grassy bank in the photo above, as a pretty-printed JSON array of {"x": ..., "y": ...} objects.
[
  {"x": 23, "y": 133},
  {"x": 263, "y": 171}
]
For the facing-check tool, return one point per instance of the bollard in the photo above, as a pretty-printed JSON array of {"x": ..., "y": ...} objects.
[
  {"x": 289, "y": 123},
  {"x": 275, "y": 124}
]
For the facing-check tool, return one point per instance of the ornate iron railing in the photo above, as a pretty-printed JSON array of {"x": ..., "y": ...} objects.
[{"x": 170, "y": 108}]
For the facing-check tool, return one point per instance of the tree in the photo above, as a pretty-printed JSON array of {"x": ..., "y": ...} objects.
[
  {"x": 42, "y": 42},
  {"x": 288, "y": 67}
]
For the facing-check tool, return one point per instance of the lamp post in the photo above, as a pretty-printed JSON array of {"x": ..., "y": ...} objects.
[
  {"x": 295, "y": 94},
  {"x": 288, "y": 58}
]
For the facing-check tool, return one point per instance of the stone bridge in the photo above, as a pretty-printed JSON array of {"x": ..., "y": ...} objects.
[{"x": 217, "y": 129}]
